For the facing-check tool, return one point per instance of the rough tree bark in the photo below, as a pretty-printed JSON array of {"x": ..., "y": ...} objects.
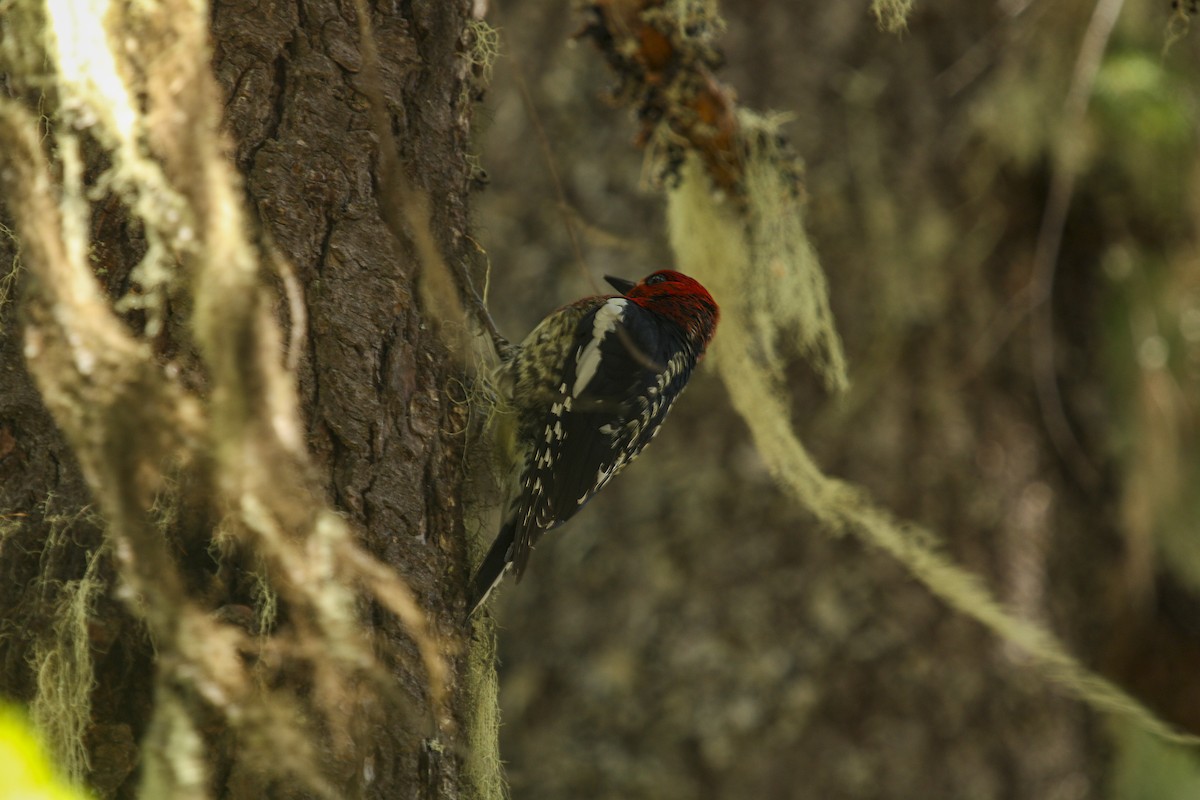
[{"x": 377, "y": 394}]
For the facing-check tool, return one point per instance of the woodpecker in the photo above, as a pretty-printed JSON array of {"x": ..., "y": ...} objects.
[{"x": 588, "y": 390}]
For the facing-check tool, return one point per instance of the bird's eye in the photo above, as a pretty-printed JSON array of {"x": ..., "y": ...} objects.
[{"x": 656, "y": 278}]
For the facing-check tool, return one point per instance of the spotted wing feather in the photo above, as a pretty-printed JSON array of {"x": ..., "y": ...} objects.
[{"x": 624, "y": 372}]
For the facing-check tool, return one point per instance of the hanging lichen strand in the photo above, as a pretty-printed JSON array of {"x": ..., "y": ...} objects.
[{"x": 735, "y": 217}]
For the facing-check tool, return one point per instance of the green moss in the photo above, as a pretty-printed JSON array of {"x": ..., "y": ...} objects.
[
  {"x": 483, "y": 48},
  {"x": 484, "y": 770},
  {"x": 61, "y": 657},
  {"x": 489, "y": 453},
  {"x": 9, "y": 272},
  {"x": 697, "y": 20},
  {"x": 783, "y": 287},
  {"x": 892, "y": 15}
]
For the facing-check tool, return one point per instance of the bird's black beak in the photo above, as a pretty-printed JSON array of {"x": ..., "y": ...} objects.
[{"x": 620, "y": 284}]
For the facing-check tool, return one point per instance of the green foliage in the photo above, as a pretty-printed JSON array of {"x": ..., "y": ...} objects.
[
  {"x": 1143, "y": 127},
  {"x": 1145, "y": 119},
  {"x": 27, "y": 772},
  {"x": 1150, "y": 769}
]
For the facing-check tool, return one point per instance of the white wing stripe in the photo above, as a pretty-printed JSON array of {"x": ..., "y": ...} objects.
[{"x": 606, "y": 319}]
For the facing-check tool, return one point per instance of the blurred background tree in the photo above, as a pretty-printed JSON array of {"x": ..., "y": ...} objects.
[{"x": 695, "y": 634}]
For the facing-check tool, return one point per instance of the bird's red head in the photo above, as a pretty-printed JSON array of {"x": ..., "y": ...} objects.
[{"x": 677, "y": 297}]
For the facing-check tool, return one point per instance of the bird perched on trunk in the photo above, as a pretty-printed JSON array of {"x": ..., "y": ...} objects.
[{"x": 586, "y": 391}]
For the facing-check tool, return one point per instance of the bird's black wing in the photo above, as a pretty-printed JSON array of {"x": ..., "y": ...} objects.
[{"x": 625, "y": 372}]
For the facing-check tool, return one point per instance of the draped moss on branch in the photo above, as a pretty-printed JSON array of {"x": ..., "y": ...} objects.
[
  {"x": 735, "y": 218},
  {"x": 892, "y": 15},
  {"x": 718, "y": 245}
]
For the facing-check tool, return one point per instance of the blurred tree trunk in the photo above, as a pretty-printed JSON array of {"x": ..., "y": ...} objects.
[{"x": 376, "y": 390}]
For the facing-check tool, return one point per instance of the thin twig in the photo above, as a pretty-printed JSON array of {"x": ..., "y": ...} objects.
[
  {"x": 1049, "y": 243},
  {"x": 539, "y": 130}
]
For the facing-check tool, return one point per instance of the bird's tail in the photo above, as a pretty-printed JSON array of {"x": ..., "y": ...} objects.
[{"x": 494, "y": 567}]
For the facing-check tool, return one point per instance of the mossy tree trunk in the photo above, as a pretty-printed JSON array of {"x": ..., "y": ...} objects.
[{"x": 381, "y": 424}]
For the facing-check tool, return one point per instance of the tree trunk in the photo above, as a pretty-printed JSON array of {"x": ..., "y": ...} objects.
[{"x": 381, "y": 408}]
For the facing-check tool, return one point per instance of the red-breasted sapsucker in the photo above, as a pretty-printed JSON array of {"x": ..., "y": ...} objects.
[{"x": 587, "y": 390}]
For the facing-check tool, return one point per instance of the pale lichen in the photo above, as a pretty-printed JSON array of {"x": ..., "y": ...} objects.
[
  {"x": 62, "y": 663},
  {"x": 892, "y": 15},
  {"x": 716, "y": 243}
]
